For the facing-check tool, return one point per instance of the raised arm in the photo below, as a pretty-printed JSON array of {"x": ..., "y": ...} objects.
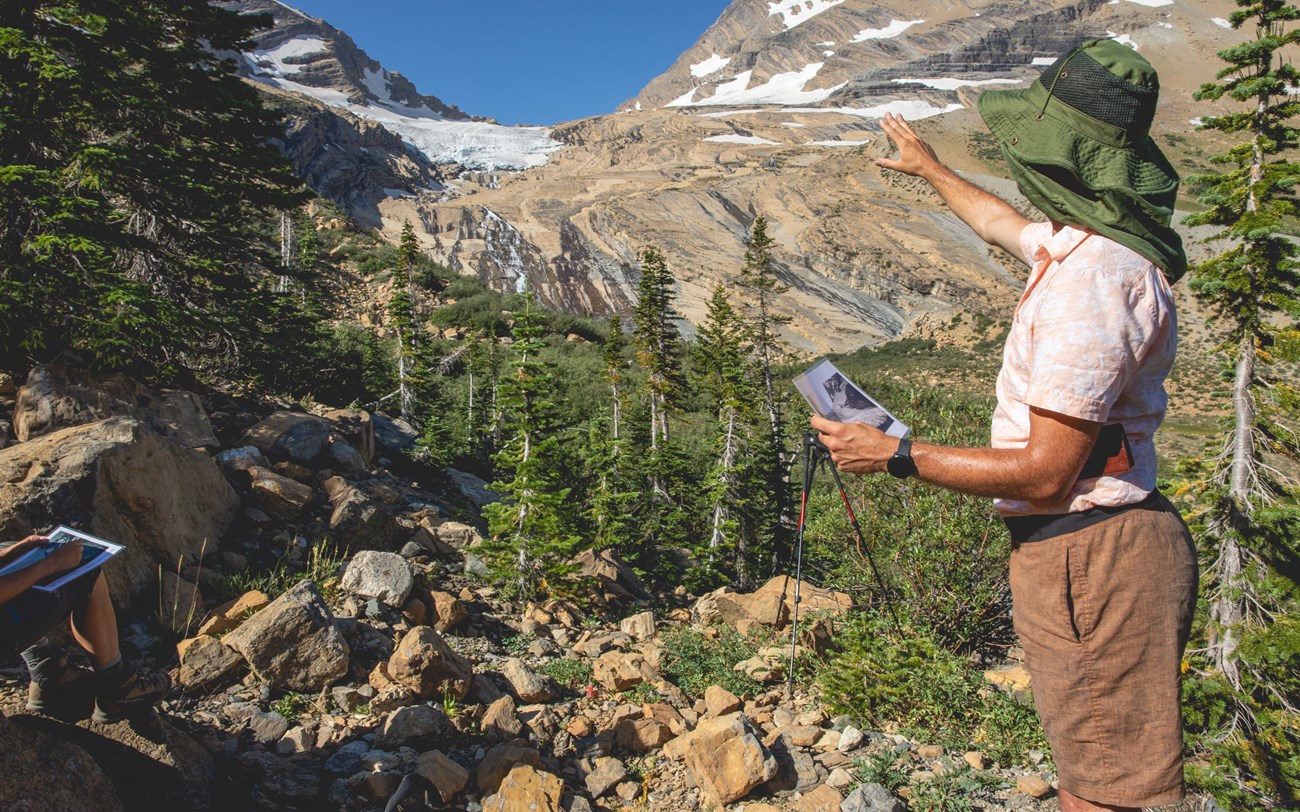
[{"x": 989, "y": 216}]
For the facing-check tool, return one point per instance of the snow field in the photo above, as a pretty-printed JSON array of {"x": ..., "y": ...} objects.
[
  {"x": 797, "y": 12},
  {"x": 890, "y": 31}
]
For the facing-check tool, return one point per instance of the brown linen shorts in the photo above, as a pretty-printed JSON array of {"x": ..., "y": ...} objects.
[{"x": 1104, "y": 614}]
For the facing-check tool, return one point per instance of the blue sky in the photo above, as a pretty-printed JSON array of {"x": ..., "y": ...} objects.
[{"x": 523, "y": 61}]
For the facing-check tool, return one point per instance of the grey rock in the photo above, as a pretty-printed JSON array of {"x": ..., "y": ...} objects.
[
  {"x": 241, "y": 459},
  {"x": 384, "y": 576},
  {"x": 872, "y": 798},
  {"x": 268, "y": 727},
  {"x": 276, "y": 494},
  {"x": 359, "y": 521},
  {"x": 292, "y": 436},
  {"x": 476, "y": 566},
  {"x": 347, "y": 759},
  {"x": 345, "y": 458},
  {"x": 608, "y": 772},
  {"x": 525, "y": 683},
  {"x": 393, "y": 435},
  {"x": 415, "y": 722}
]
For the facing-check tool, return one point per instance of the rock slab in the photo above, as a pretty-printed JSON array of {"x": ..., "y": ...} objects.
[{"x": 293, "y": 643}]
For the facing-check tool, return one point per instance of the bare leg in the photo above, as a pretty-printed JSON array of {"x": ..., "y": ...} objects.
[
  {"x": 95, "y": 625},
  {"x": 1073, "y": 803}
]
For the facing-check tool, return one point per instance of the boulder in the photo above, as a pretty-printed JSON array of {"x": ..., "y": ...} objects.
[
  {"x": 872, "y": 798},
  {"x": 767, "y": 609},
  {"x": 640, "y": 627},
  {"x": 620, "y": 671},
  {"x": 376, "y": 574},
  {"x": 446, "y": 611},
  {"x": 293, "y": 643},
  {"x": 205, "y": 661},
  {"x": 501, "y": 720},
  {"x": 726, "y": 759},
  {"x": 343, "y": 457},
  {"x": 607, "y": 569},
  {"x": 355, "y": 428},
  {"x": 27, "y": 784},
  {"x": 230, "y": 614},
  {"x": 525, "y": 683},
  {"x": 526, "y": 788},
  {"x": 291, "y": 436},
  {"x": 415, "y": 722},
  {"x": 608, "y": 773},
  {"x": 823, "y": 798},
  {"x": 425, "y": 664},
  {"x": 811, "y": 598},
  {"x": 120, "y": 480},
  {"x": 448, "y": 777},
  {"x": 239, "y": 460},
  {"x": 393, "y": 435},
  {"x": 457, "y": 535},
  {"x": 58, "y": 397},
  {"x": 718, "y": 701},
  {"x": 499, "y": 761},
  {"x": 359, "y": 521},
  {"x": 641, "y": 735},
  {"x": 277, "y": 494}
]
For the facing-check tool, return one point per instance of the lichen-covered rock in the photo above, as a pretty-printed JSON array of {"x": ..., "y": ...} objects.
[{"x": 382, "y": 575}]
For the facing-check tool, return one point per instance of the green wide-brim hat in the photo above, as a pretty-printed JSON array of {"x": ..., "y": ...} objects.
[{"x": 1078, "y": 143}]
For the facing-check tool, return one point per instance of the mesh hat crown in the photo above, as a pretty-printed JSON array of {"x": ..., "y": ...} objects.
[{"x": 1078, "y": 143}]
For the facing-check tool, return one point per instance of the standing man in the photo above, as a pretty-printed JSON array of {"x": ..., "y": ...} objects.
[{"x": 1103, "y": 570}]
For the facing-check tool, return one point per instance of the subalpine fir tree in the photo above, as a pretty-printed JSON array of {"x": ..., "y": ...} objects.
[
  {"x": 1252, "y": 656},
  {"x": 137, "y": 173},
  {"x": 761, "y": 290},
  {"x": 532, "y": 529},
  {"x": 730, "y": 386},
  {"x": 401, "y": 317},
  {"x": 659, "y": 353}
]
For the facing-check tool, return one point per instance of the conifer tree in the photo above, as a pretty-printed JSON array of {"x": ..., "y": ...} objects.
[
  {"x": 533, "y": 528},
  {"x": 720, "y": 357},
  {"x": 401, "y": 315},
  {"x": 1252, "y": 523},
  {"x": 762, "y": 289},
  {"x": 659, "y": 350},
  {"x": 136, "y": 172}
]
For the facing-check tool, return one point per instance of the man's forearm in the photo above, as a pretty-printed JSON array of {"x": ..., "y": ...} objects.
[
  {"x": 977, "y": 208},
  {"x": 1005, "y": 473}
]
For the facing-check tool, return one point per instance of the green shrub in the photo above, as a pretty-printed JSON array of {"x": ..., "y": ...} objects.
[
  {"x": 882, "y": 678},
  {"x": 693, "y": 660},
  {"x": 570, "y": 672},
  {"x": 961, "y": 790},
  {"x": 881, "y": 767}
]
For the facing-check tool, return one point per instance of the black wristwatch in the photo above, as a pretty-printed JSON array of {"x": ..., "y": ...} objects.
[{"x": 902, "y": 465}]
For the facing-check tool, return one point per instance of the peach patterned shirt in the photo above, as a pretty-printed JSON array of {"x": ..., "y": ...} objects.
[{"x": 1093, "y": 337}]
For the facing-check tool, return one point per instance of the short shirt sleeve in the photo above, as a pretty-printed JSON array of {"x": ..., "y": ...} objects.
[
  {"x": 1032, "y": 238},
  {"x": 1088, "y": 333}
]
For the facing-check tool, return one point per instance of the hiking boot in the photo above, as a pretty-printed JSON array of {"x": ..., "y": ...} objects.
[
  {"x": 58, "y": 688},
  {"x": 129, "y": 691}
]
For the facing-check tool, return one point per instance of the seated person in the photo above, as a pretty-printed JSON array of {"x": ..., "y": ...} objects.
[{"x": 26, "y": 615}]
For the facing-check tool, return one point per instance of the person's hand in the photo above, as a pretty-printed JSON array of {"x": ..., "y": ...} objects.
[
  {"x": 65, "y": 557},
  {"x": 915, "y": 156},
  {"x": 856, "y": 447}
]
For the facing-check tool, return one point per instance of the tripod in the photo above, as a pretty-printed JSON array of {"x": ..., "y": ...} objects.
[{"x": 816, "y": 454}]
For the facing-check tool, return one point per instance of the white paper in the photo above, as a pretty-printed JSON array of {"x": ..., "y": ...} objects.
[
  {"x": 833, "y": 396},
  {"x": 95, "y": 552}
]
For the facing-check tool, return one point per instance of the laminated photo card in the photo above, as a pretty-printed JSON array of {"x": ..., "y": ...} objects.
[{"x": 833, "y": 396}]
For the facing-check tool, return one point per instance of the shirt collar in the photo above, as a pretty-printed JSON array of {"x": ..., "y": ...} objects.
[{"x": 1060, "y": 244}]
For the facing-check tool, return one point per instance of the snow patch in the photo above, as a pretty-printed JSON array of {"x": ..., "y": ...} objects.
[
  {"x": 797, "y": 12},
  {"x": 838, "y": 143},
  {"x": 1123, "y": 39},
  {"x": 273, "y": 59},
  {"x": 795, "y": 124},
  {"x": 733, "y": 138},
  {"x": 890, "y": 31},
  {"x": 1043, "y": 60},
  {"x": 713, "y": 64},
  {"x": 376, "y": 81},
  {"x": 953, "y": 84},
  {"x": 783, "y": 88},
  {"x": 1152, "y": 3},
  {"x": 828, "y": 53},
  {"x": 1195, "y": 122},
  {"x": 1222, "y": 23},
  {"x": 398, "y": 193},
  {"x": 910, "y": 109}
]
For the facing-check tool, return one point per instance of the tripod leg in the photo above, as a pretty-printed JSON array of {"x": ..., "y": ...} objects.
[{"x": 857, "y": 531}]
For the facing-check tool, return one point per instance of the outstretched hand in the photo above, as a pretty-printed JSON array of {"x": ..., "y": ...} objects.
[{"x": 915, "y": 156}]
